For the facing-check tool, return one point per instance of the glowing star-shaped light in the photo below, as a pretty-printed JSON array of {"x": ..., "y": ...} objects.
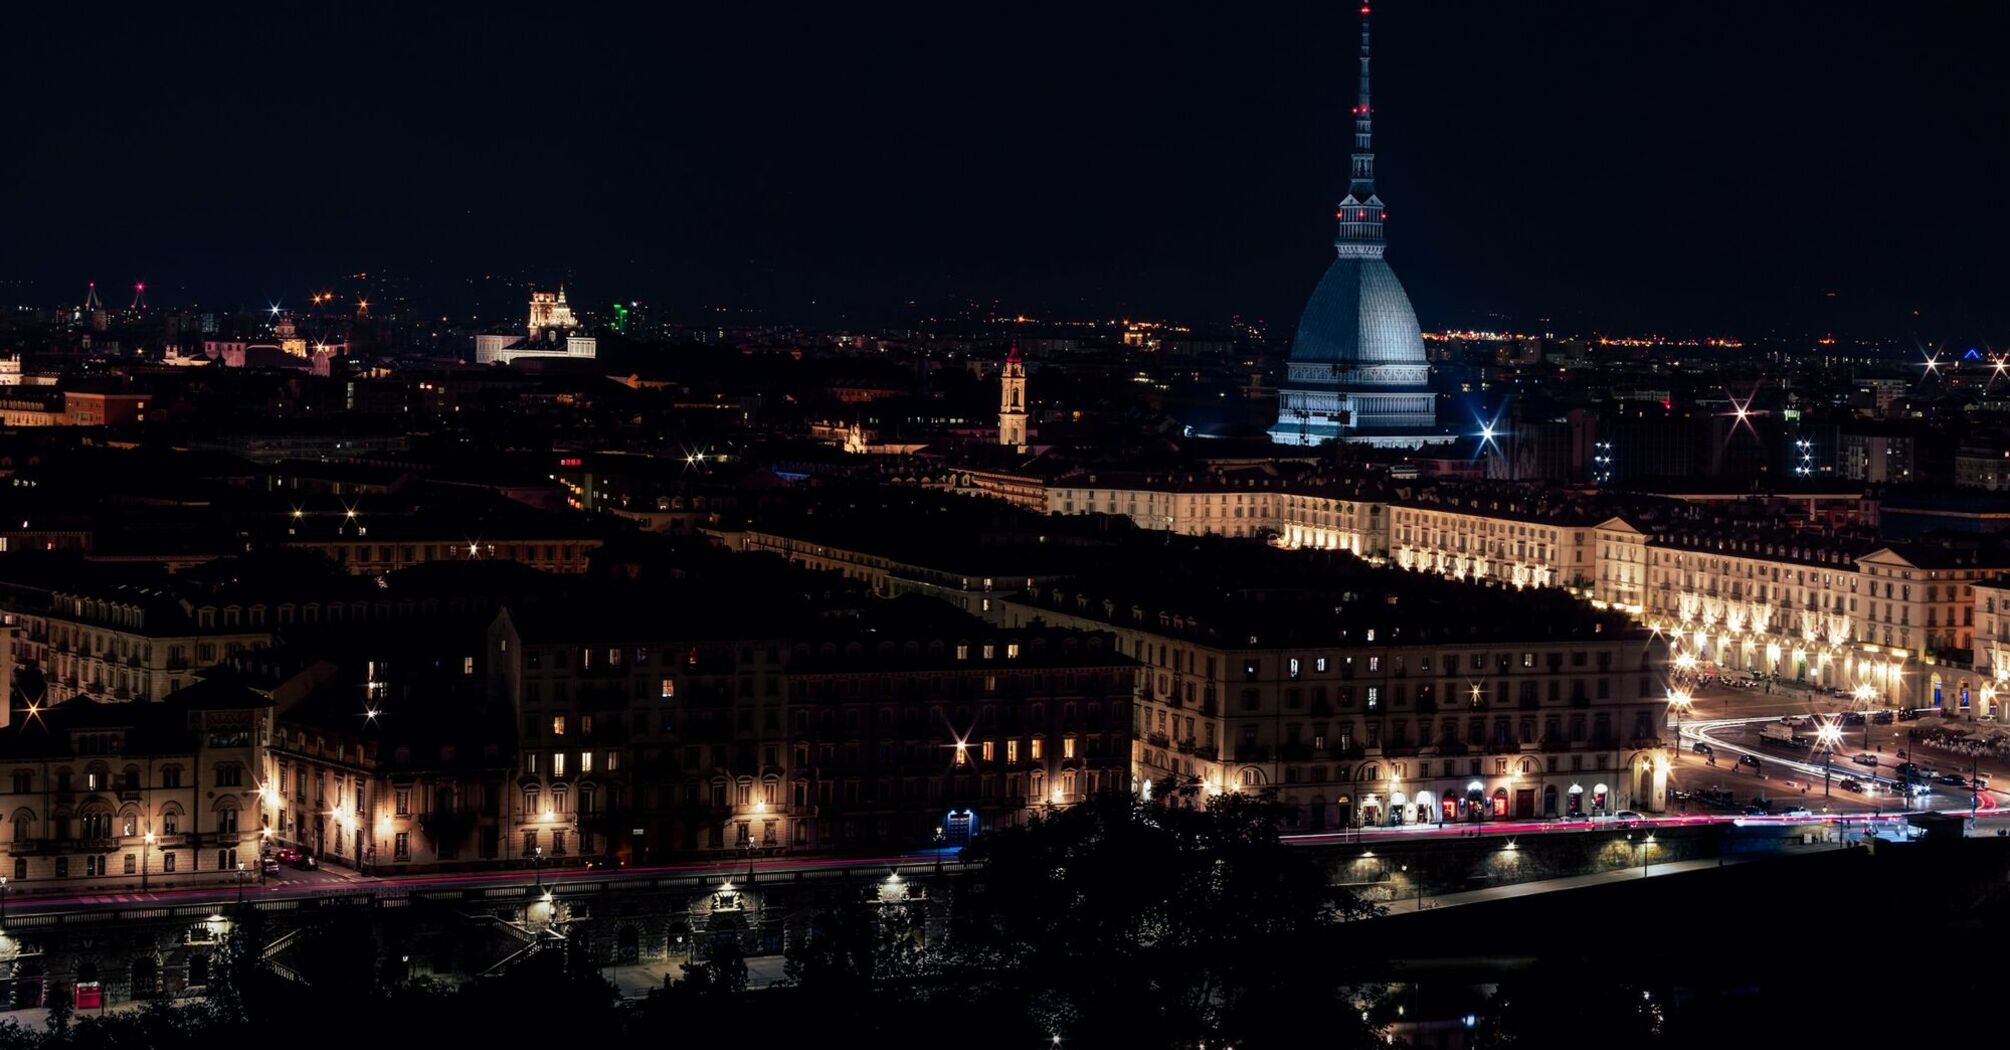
[
  {"x": 1829, "y": 734},
  {"x": 1931, "y": 363}
]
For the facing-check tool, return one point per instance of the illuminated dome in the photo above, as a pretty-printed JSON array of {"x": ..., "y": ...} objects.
[{"x": 1359, "y": 314}]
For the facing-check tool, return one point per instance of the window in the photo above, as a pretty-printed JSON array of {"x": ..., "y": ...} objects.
[
  {"x": 585, "y": 762},
  {"x": 558, "y": 725},
  {"x": 226, "y": 821},
  {"x": 669, "y": 688},
  {"x": 530, "y": 762},
  {"x": 132, "y": 864},
  {"x": 987, "y": 752},
  {"x": 558, "y": 763},
  {"x": 403, "y": 801},
  {"x": 167, "y": 861},
  {"x": 1067, "y": 747},
  {"x": 1036, "y": 749},
  {"x": 1011, "y": 751},
  {"x": 229, "y": 776},
  {"x": 401, "y": 846},
  {"x": 613, "y": 761},
  {"x": 170, "y": 823}
]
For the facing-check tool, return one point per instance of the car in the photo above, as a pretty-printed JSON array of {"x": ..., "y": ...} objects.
[
  {"x": 1852, "y": 718},
  {"x": 1882, "y": 718},
  {"x": 1702, "y": 748},
  {"x": 1915, "y": 790},
  {"x": 286, "y": 855},
  {"x": 602, "y": 863},
  {"x": 1762, "y": 804},
  {"x": 1749, "y": 760},
  {"x": 268, "y": 864},
  {"x": 1797, "y": 811},
  {"x": 1626, "y": 816},
  {"x": 1955, "y": 779},
  {"x": 1864, "y": 758},
  {"x": 1851, "y": 784}
]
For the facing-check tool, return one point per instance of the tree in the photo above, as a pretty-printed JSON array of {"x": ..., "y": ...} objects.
[{"x": 1125, "y": 923}]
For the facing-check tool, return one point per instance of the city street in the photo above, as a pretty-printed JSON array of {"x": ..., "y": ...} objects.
[{"x": 1729, "y": 721}]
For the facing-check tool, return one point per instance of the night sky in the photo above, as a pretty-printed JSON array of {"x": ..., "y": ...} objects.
[{"x": 1699, "y": 167}]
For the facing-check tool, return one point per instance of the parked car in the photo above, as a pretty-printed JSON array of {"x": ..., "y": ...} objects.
[
  {"x": 1702, "y": 748},
  {"x": 1954, "y": 779},
  {"x": 1882, "y": 718},
  {"x": 1864, "y": 758},
  {"x": 1626, "y": 817},
  {"x": 1851, "y": 784},
  {"x": 286, "y": 855},
  {"x": 1749, "y": 760},
  {"x": 268, "y": 864},
  {"x": 1852, "y": 718},
  {"x": 1797, "y": 811}
]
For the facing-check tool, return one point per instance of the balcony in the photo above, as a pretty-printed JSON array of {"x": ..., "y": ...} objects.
[
  {"x": 1452, "y": 747},
  {"x": 1157, "y": 740},
  {"x": 1252, "y": 753}
]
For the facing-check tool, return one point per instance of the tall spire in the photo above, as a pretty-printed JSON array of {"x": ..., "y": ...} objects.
[{"x": 1360, "y": 214}]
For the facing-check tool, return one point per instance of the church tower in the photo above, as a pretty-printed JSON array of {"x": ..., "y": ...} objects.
[{"x": 1012, "y": 401}]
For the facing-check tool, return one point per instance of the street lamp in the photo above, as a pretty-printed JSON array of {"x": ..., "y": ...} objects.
[
  {"x": 537, "y": 867},
  {"x": 1827, "y": 736},
  {"x": 241, "y": 873},
  {"x": 3, "y": 900},
  {"x": 1679, "y": 703},
  {"x": 146, "y": 856}
]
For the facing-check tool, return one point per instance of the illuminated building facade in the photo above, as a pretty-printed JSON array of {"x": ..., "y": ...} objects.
[
  {"x": 553, "y": 332},
  {"x": 1356, "y": 728},
  {"x": 120, "y": 795}
]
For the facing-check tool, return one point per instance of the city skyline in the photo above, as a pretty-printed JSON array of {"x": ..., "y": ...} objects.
[{"x": 1678, "y": 168}]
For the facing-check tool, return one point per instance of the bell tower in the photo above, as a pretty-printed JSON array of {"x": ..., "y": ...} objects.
[{"x": 1012, "y": 401}]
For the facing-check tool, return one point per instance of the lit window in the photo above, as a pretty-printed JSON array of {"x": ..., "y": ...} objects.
[
  {"x": 1067, "y": 747},
  {"x": 558, "y": 725},
  {"x": 558, "y": 763},
  {"x": 1036, "y": 749},
  {"x": 669, "y": 688},
  {"x": 987, "y": 751},
  {"x": 586, "y": 761},
  {"x": 613, "y": 761},
  {"x": 1011, "y": 751}
]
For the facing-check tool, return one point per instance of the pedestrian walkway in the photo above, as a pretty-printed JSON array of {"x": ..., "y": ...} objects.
[{"x": 1431, "y": 902}]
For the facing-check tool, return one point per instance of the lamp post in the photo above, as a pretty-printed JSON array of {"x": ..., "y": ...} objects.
[
  {"x": 3, "y": 901},
  {"x": 146, "y": 858},
  {"x": 1827, "y": 737},
  {"x": 241, "y": 873},
  {"x": 537, "y": 867},
  {"x": 1679, "y": 703}
]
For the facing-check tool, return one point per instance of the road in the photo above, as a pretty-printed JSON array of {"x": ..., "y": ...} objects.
[{"x": 560, "y": 880}]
